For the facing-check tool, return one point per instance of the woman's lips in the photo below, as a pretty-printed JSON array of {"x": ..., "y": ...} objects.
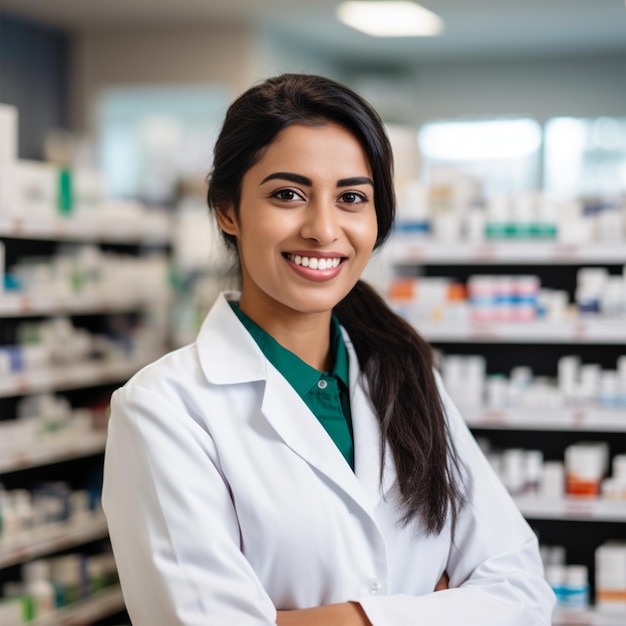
[{"x": 315, "y": 267}]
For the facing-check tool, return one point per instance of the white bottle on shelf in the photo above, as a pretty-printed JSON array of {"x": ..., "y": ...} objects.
[
  {"x": 610, "y": 561},
  {"x": 23, "y": 504},
  {"x": 576, "y": 597},
  {"x": 9, "y": 520},
  {"x": 36, "y": 576}
]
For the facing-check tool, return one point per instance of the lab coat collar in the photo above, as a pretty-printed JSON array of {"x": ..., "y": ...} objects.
[{"x": 229, "y": 355}]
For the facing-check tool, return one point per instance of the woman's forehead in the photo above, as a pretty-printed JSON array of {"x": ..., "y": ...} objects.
[{"x": 322, "y": 148}]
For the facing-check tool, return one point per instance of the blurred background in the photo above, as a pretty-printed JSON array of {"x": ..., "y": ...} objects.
[{"x": 508, "y": 121}]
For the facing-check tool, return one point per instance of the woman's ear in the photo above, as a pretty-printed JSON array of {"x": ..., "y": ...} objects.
[{"x": 227, "y": 220}]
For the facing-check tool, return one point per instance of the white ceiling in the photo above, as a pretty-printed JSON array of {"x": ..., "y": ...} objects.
[{"x": 474, "y": 28}]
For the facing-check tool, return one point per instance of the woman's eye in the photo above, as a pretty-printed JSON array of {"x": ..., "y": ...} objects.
[
  {"x": 351, "y": 197},
  {"x": 287, "y": 194}
]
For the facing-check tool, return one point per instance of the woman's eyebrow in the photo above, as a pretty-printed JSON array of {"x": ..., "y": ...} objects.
[
  {"x": 355, "y": 180},
  {"x": 293, "y": 178},
  {"x": 303, "y": 180}
]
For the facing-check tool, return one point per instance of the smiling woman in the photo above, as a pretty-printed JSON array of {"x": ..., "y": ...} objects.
[{"x": 300, "y": 463}]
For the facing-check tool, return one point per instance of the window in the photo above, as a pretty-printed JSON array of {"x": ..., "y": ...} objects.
[
  {"x": 150, "y": 138},
  {"x": 503, "y": 154},
  {"x": 585, "y": 157}
]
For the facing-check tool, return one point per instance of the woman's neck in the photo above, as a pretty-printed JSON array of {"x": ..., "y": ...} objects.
[{"x": 307, "y": 335}]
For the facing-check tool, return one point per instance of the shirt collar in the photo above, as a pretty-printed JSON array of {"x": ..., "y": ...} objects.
[
  {"x": 339, "y": 352},
  {"x": 299, "y": 374}
]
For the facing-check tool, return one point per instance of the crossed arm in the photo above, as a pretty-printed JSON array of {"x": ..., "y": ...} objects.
[{"x": 344, "y": 614}]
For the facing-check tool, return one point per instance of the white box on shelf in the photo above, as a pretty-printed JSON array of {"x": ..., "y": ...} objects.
[
  {"x": 88, "y": 191},
  {"x": 8, "y": 133},
  {"x": 33, "y": 189}
]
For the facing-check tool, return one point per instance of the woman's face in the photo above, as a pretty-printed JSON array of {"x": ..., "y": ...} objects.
[{"x": 307, "y": 222}]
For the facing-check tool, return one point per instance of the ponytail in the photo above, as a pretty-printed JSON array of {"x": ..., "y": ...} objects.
[{"x": 398, "y": 367}]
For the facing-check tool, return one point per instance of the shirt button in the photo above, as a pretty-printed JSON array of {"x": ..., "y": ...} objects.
[
  {"x": 322, "y": 384},
  {"x": 374, "y": 587}
]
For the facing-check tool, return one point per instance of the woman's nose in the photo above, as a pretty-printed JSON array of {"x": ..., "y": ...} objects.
[{"x": 321, "y": 223}]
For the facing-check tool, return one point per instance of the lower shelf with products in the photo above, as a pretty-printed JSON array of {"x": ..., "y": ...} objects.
[
  {"x": 535, "y": 467},
  {"x": 588, "y": 575},
  {"x": 55, "y": 556},
  {"x": 56, "y": 449},
  {"x": 74, "y": 588},
  {"x": 100, "y": 604},
  {"x": 51, "y": 538},
  {"x": 558, "y": 412}
]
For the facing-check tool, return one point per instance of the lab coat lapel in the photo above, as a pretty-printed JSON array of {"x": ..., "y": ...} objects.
[{"x": 299, "y": 428}]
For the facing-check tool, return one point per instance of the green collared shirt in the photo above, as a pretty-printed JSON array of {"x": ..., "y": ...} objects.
[{"x": 327, "y": 394}]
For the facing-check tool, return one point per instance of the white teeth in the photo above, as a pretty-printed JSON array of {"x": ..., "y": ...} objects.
[{"x": 315, "y": 263}]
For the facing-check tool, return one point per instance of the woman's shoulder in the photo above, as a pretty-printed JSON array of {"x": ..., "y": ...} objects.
[
  {"x": 175, "y": 368},
  {"x": 170, "y": 390}
]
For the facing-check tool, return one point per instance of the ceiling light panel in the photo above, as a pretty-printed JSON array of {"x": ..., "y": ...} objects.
[{"x": 390, "y": 19}]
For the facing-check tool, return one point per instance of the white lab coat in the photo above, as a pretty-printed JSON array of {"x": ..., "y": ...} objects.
[{"x": 226, "y": 500}]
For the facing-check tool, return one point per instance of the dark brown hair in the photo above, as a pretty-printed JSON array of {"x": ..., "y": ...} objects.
[{"x": 396, "y": 362}]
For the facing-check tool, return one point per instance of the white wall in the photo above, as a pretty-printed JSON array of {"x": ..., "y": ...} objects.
[{"x": 148, "y": 56}]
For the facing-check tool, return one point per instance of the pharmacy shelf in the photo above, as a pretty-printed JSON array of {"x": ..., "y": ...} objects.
[
  {"x": 75, "y": 376},
  {"x": 14, "y": 460},
  {"x": 51, "y": 538},
  {"x": 593, "y": 419},
  {"x": 19, "y": 305},
  {"x": 151, "y": 229},
  {"x": 588, "y": 617},
  {"x": 593, "y": 330},
  {"x": 93, "y": 608},
  {"x": 574, "y": 509},
  {"x": 406, "y": 250}
]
